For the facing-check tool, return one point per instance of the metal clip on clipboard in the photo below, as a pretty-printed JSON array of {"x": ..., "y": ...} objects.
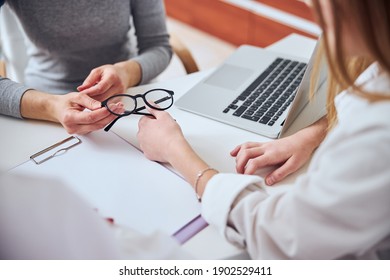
[{"x": 62, "y": 146}]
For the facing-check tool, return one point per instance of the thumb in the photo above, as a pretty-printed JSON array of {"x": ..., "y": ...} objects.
[
  {"x": 160, "y": 114},
  {"x": 88, "y": 102},
  {"x": 156, "y": 113},
  {"x": 91, "y": 80}
]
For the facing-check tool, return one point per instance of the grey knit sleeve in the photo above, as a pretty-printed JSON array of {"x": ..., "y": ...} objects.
[
  {"x": 10, "y": 97},
  {"x": 10, "y": 94},
  {"x": 154, "y": 50}
]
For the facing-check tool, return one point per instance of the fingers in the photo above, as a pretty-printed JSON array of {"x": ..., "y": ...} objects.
[
  {"x": 288, "y": 153},
  {"x": 77, "y": 120},
  {"x": 93, "y": 116},
  {"x": 255, "y": 164},
  {"x": 91, "y": 80},
  {"x": 161, "y": 120},
  {"x": 103, "y": 82},
  {"x": 85, "y": 117},
  {"x": 247, "y": 145},
  {"x": 100, "y": 88},
  {"x": 245, "y": 153},
  {"x": 282, "y": 172},
  {"x": 100, "y": 95},
  {"x": 251, "y": 157},
  {"x": 87, "y": 102},
  {"x": 100, "y": 114},
  {"x": 158, "y": 114},
  {"x": 85, "y": 122},
  {"x": 246, "y": 157},
  {"x": 235, "y": 151}
]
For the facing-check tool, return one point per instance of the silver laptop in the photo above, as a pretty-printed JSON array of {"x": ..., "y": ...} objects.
[{"x": 258, "y": 90}]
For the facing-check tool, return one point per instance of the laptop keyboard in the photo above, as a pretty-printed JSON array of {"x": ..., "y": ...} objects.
[{"x": 266, "y": 99}]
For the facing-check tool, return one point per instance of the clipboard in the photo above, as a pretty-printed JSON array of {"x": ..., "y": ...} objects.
[
  {"x": 114, "y": 177},
  {"x": 56, "y": 149},
  {"x": 182, "y": 235}
]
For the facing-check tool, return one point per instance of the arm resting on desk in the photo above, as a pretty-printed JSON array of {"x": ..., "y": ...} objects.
[
  {"x": 288, "y": 154},
  {"x": 66, "y": 109}
]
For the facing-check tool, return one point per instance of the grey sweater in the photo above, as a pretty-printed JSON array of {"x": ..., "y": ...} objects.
[{"x": 67, "y": 39}]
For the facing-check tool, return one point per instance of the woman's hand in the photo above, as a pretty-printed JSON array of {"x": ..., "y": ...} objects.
[
  {"x": 162, "y": 140},
  {"x": 289, "y": 153},
  {"x": 289, "y": 156},
  {"x": 68, "y": 109},
  {"x": 70, "y": 112},
  {"x": 160, "y": 136},
  {"x": 110, "y": 79},
  {"x": 104, "y": 82}
]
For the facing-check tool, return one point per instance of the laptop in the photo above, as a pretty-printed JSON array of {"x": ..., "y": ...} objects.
[{"x": 257, "y": 90}]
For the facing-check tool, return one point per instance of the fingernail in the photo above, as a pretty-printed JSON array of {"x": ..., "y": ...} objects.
[
  {"x": 119, "y": 108},
  {"x": 113, "y": 107},
  {"x": 110, "y": 220},
  {"x": 269, "y": 181}
]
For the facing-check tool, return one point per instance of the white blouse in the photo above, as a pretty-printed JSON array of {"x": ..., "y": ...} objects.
[{"x": 340, "y": 208}]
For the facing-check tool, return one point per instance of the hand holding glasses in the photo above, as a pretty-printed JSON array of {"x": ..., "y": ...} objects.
[{"x": 163, "y": 98}]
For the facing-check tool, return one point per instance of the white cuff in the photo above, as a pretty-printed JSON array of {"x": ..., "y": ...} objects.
[{"x": 220, "y": 193}]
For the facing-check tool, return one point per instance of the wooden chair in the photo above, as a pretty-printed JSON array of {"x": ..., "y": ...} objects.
[
  {"x": 3, "y": 72},
  {"x": 184, "y": 54}
]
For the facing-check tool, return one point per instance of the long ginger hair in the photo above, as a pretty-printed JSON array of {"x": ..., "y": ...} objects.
[{"x": 372, "y": 20}]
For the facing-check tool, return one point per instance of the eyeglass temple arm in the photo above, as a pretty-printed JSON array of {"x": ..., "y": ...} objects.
[
  {"x": 108, "y": 127},
  {"x": 141, "y": 113},
  {"x": 136, "y": 111}
]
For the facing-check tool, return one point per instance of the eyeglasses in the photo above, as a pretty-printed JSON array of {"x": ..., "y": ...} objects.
[{"x": 161, "y": 97}]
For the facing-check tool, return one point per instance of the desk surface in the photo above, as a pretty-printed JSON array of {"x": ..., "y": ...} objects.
[
  {"x": 205, "y": 135},
  {"x": 20, "y": 139}
]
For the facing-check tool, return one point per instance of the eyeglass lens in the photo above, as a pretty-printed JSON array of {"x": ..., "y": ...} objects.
[
  {"x": 128, "y": 104},
  {"x": 160, "y": 98}
]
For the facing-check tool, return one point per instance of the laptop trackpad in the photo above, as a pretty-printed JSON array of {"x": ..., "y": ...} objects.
[{"x": 229, "y": 77}]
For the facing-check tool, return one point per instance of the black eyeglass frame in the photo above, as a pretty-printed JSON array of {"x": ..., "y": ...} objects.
[{"x": 136, "y": 110}]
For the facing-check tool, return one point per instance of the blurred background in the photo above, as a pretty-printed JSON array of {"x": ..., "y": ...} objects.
[{"x": 212, "y": 29}]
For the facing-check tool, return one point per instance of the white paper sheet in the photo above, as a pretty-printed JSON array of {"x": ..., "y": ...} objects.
[{"x": 117, "y": 180}]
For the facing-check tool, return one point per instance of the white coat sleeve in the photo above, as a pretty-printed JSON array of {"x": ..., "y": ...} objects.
[{"x": 339, "y": 209}]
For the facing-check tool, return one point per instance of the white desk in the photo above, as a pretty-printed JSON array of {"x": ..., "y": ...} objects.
[{"x": 211, "y": 139}]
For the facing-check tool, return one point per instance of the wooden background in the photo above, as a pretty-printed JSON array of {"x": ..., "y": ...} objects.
[{"x": 237, "y": 25}]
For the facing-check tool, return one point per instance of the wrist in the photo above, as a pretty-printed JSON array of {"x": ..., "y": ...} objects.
[
  {"x": 177, "y": 149},
  {"x": 53, "y": 107},
  {"x": 132, "y": 72},
  {"x": 184, "y": 159},
  {"x": 38, "y": 105},
  {"x": 200, "y": 186},
  {"x": 314, "y": 134}
]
